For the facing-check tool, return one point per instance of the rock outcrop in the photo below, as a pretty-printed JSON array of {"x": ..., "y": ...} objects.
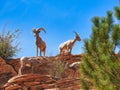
[
  {"x": 6, "y": 72},
  {"x": 40, "y": 82},
  {"x": 29, "y": 82},
  {"x": 41, "y": 79},
  {"x": 15, "y": 63}
]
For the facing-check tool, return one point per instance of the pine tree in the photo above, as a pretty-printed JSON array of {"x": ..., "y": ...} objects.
[{"x": 100, "y": 66}]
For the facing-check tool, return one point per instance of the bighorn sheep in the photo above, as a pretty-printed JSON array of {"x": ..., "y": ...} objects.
[
  {"x": 39, "y": 42},
  {"x": 26, "y": 62},
  {"x": 67, "y": 46}
]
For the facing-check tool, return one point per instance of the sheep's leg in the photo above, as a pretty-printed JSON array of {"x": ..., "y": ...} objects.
[
  {"x": 37, "y": 51},
  {"x": 70, "y": 51},
  {"x": 67, "y": 50},
  {"x": 60, "y": 51},
  {"x": 44, "y": 53},
  {"x": 63, "y": 52},
  {"x": 40, "y": 53}
]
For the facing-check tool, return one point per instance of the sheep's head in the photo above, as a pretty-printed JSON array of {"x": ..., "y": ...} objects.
[
  {"x": 77, "y": 36},
  {"x": 37, "y": 31}
]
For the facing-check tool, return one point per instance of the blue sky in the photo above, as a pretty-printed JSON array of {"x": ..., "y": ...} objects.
[{"x": 59, "y": 17}]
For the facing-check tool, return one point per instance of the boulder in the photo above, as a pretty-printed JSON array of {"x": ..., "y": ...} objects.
[
  {"x": 15, "y": 63},
  {"x": 29, "y": 81},
  {"x": 6, "y": 71},
  {"x": 40, "y": 82}
]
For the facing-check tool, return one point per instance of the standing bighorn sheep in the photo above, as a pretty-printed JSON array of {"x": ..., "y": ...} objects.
[
  {"x": 67, "y": 46},
  {"x": 39, "y": 42}
]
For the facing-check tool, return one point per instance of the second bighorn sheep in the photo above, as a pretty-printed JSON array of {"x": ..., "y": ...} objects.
[
  {"x": 40, "y": 44},
  {"x": 67, "y": 46}
]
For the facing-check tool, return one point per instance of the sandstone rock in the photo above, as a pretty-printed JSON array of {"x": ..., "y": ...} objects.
[
  {"x": 6, "y": 71},
  {"x": 29, "y": 81},
  {"x": 2, "y": 61},
  {"x": 40, "y": 82},
  {"x": 40, "y": 78},
  {"x": 14, "y": 87},
  {"x": 42, "y": 67},
  {"x": 15, "y": 63}
]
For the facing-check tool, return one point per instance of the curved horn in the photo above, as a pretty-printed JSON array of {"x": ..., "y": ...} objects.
[
  {"x": 76, "y": 34},
  {"x": 41, "y": 29}
]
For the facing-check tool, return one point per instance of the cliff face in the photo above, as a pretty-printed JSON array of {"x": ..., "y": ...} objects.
[
  {"x": 43, "y": 77},
  {"x": 6, "y": 72}
]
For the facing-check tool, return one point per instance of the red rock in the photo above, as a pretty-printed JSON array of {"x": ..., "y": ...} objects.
[
  {"x": 15, "y": 63},
  {"x": 2, "y": 61},
  {"x": 14, "y": 87},
  {"x": 31, "y": 83},
  {"x": 29, "y": 80},
  {"x": 6, "y": 71},
  {"x": 40, "y": 80},
  {"x": 29, "y": 77}
]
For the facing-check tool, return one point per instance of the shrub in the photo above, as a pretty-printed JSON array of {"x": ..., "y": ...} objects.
[
  {"x": 56, "y": 69},
  {"x": 9, "y": 44}
]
